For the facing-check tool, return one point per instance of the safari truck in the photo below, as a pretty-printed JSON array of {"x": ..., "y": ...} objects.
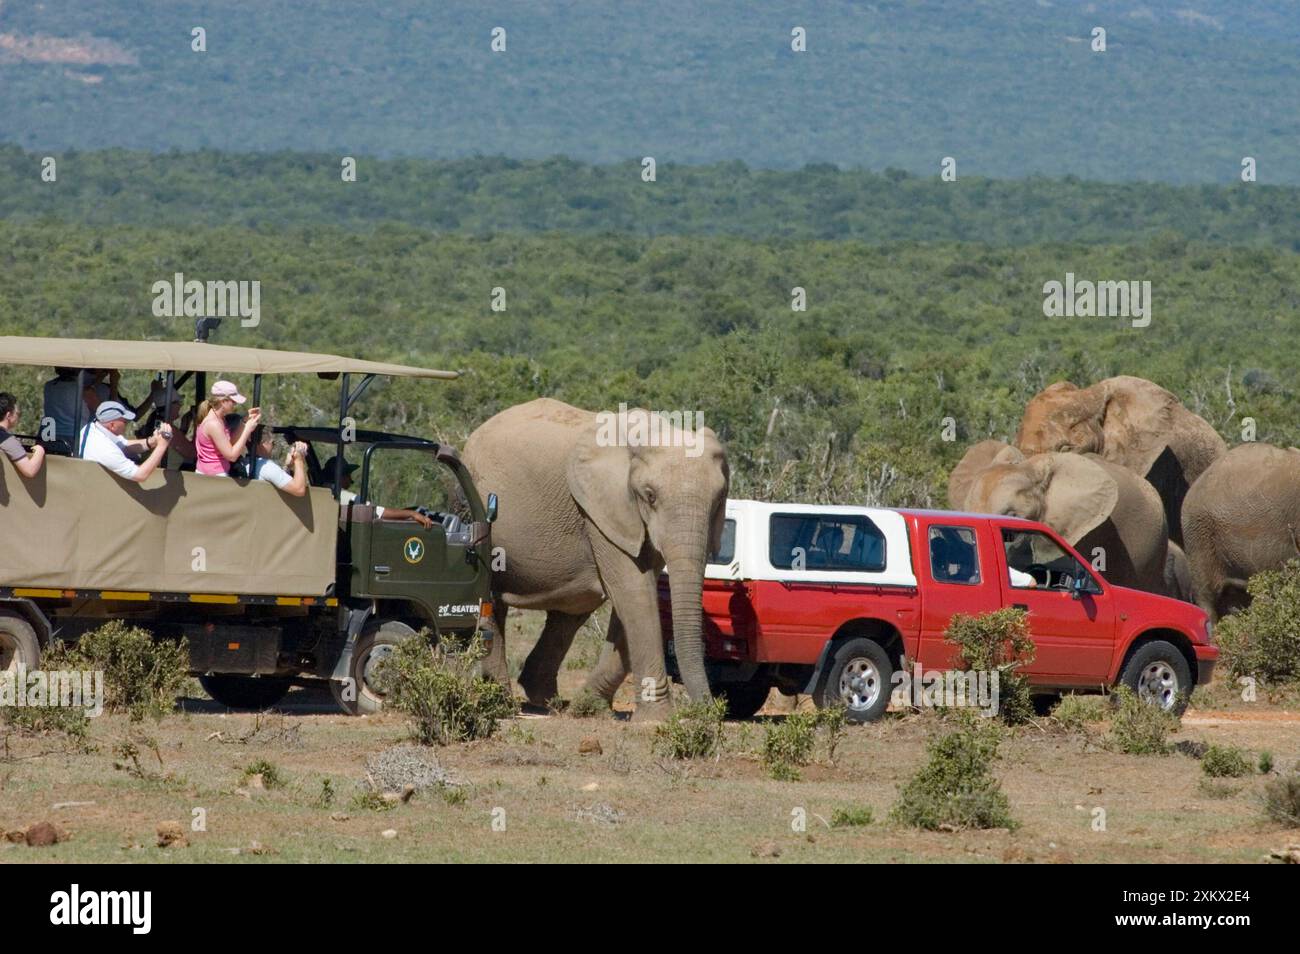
[
  {"x": 268, "y": 589},
  {"x": 833, "y": 601}
]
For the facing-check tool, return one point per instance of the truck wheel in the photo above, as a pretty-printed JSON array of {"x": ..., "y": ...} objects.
[
  {"x": 246, "y": 692},
  {"x": 375, "y": 644},
  {"x": 859, "y": 678},
  {"x": 743, "y": 698},
  {"x": 18, "y": 643},
  {"x": 1158, "y": 673}
]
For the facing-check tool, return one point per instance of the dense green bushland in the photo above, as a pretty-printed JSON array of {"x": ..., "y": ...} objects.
[
  {"x": 494, "y": 194},
  {"x": 846, "y": 400}
]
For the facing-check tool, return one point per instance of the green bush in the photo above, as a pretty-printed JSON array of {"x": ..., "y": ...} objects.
[
  {"x": 998, "y": 642},
  {"x": 271, "y": 776},
  {"x": 71, "y": 722},
  {"x": 441, "y": 693},
  {"x": 855, "y": 816},
  {"x": 693, "y": 731},
  {"x": 1225, "y": 761},
  {"x": 1265, "y": 763},
  {"x": 955, "y": 789},
  {"x": 587, "y": 704},
  {"x": 142, "y": 676},
  {"x": 1139, "y": 728},
  {"x": 1076, "y": 711},
  {"x": 1282, "y": 800},
  {"x": 1263, "y": 640},
  {"x": 791, "y": 742}
]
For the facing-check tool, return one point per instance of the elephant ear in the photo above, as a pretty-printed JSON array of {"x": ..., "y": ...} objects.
[
  {"x": 1080, "y": 494},
  {"x": 1138, "y": 420},
  {"x": 599, "y": 480},
  {"x": 979, "y": 457}
]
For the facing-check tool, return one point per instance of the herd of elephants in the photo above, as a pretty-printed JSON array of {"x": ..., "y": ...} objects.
[{"x": 1141, "y": 486}]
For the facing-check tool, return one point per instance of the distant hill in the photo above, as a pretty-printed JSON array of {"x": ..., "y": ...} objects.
[
  {"x": 1010, "y": 88},
  {"x": 489, "y": 195}
]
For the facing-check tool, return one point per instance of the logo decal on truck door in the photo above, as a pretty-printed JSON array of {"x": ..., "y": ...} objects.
[{"x": 413, "y": 550}]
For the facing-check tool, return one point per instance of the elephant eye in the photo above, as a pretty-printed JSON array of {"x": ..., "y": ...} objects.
[{"x": 650, "y": 496}]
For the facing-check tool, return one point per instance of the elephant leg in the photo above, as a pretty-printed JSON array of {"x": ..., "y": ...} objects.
[
  {"x": 494, "y": 665},
  {"x": 614, "y": 665},
  {"x": 540, "y": 676},
  {"x": 634, "y": 591}
]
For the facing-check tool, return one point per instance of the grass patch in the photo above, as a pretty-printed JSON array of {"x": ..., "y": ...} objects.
[
  {"x": 1139, "y": 728},
  {"x": 442, "y": 695},
  {"x": 271, "y": 777},
  {"x": 1282, "y": 800},
  {"x": 1077, "y": 712},
  {"x": 854, "y": 816},
  {"x": 587, "y": 704},
  {"x": 955, "y": 789}
]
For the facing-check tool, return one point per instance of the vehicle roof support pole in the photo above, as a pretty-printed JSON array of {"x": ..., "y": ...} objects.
[
  {"x": 251, "y": 448},
  {"x": 344, "y": 401},
  {"x": 76, "y": 414}
]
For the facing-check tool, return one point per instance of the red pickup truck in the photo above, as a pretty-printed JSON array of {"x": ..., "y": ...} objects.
[{"x": 833, "y": 601}]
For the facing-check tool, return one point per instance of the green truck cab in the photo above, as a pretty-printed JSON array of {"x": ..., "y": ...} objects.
[{"x": 269, "y": 590}]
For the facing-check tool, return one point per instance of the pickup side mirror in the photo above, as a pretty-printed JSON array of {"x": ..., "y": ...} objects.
[{"x": 491, "y": 508}]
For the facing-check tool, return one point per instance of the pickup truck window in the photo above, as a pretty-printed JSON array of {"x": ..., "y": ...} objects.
[
  {"x": 1035, "y": 560},
  {"x": 954, "y": 556},
  {"x": 815, "y": 541},
  {"x": 727, "y": 548}
]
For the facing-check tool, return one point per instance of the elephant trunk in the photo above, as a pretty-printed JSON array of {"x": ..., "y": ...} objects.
[{"x": 686, "y": 579}]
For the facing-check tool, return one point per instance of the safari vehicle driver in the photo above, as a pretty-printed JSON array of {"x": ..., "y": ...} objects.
[
  {"x": 102, "y": 442},
  {"x": 29, "y": 465},
  {"x": 346, "y": 496}
]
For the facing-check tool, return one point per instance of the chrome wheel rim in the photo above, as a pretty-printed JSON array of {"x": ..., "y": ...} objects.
[
  {"x": 859, "y": 684},
  {"x": 1158, "y": 684}
]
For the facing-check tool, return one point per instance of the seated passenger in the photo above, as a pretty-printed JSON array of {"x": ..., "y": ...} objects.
[
  {"x": 216, "y": 445},
  {"x": 294, "y": 480},
  {"x": 346, "y": 496},
  {"x": 101, "y": 441},
  {"x": 182, "y": 448},
  {"x": 25, "y": 464}
]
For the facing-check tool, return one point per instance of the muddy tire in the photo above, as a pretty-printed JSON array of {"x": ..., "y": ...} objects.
[
  {"x": 253, "y": 693},
  {"x": 18, "y": 642},
  {"x": 1158, "y": 673},
  {"x": 361, "y": 696},
  {"x": 859, "y": 677}
]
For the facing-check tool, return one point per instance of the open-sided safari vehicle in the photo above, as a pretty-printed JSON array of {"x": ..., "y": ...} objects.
[{"x": 267, "y": 588}]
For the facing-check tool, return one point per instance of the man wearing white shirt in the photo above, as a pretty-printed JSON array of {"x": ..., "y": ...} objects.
[
  {"x": 292, "y": 481},
  {"x": 101, "y": 441}
]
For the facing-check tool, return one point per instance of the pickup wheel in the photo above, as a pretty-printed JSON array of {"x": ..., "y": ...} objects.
[
  {"x": 246, "y": 692},
  {"x": 18, "y": 643},
  {"x": 743, "y": 698},
  {"x": 362, "y": 695},
  {"x": 859, "y": 678},
  {"x": 1158, "y": 673}
]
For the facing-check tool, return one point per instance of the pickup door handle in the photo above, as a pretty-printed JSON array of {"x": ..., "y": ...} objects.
[
  {"x": 1023, "y": 606},
  {"x": 382, "y": 569}
]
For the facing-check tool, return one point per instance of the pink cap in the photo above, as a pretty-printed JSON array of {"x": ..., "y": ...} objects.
[{"x": 225, "y": 389}]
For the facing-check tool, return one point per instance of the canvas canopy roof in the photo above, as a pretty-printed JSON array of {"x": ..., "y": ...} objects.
[{"x": 191, "y": 356}]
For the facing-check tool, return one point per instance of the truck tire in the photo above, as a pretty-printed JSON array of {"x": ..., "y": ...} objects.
[
  {"x": 246, "y": 692},
  {"x": 375, "y": 643},
  {"x": 18, "y": 642},
  {"x": 859, "y": 677},
  {"x": 1158, "y": 673},
  {"x": 743, "y": 698}
]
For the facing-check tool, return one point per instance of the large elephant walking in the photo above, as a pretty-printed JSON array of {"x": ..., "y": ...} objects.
[
  {"x": 589, "y": 512},
  {"x": 1241, "y": 517},
  {"x": 1131, "y": 422},
  {"x": 1098, "y": 507}
]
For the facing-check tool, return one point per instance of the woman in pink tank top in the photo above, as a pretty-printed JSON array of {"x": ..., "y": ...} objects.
[{"x": 216, "y": 448}]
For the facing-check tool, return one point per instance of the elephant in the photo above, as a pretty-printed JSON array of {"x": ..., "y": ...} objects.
[
  {"x": 1089, "y": 501},
  {"x": 585, "y": 516},
  {"x": 1241, "y": 517},
  {"x": 1131, "y": 422}
]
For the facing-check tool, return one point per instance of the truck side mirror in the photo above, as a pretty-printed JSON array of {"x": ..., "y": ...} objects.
[
  {"x": 491, "y": 508},
  {"x": 1079, "y": 586}
]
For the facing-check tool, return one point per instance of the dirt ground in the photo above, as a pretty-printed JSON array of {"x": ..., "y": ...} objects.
[{"x": 530, "y": 794}]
